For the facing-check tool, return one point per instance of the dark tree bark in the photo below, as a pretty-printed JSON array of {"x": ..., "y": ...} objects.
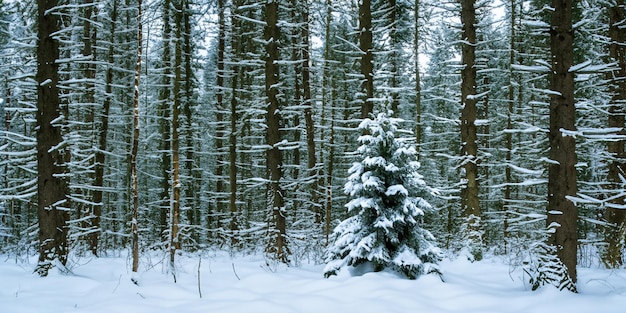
[
  {"x": 135, "y": 145},
  {"x": 469, "y": 148},
  {"x": 53, "y": 204},
  {"x": 296, "y": 56},
  {"x": 192, "y": 187},
  {"x": 276, "y": 203},
  {"x": 612, "y": 257},
  {"x": 327, "y": 106},
  {"x": 367, "y": 57},
  {"x": 103, "y": 130},
  {"x": 92, "y": 212},
  {"x": 508, "y": 175},
  {"x": 393, "y": 56},
  {"x": 314, "y": 172},
  {"x": 562, "y": 213},
  {"x": 418, "y": 82},
  {"x": 232, "y": 139},
  {"x": 165, "y": 145},
  {"x": 174, "y": 242}
]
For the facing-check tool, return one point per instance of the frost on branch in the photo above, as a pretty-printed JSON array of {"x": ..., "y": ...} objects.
[
  {"x": 545, "y": 268},
  {"x": 384, "y": 187}
]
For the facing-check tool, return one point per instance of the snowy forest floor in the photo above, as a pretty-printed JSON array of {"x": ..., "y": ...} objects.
[{"x": 247, "y": 284}]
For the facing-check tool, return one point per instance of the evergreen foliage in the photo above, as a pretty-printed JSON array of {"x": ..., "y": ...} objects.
[
  {"x": 546, "y": 269},
  {"x": 384, "y": 189}
]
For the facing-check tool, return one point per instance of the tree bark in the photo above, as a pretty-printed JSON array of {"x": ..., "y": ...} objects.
[
  {"x": 93, "y": 211},
  {"x": 418, "y": 82},
  {"x": 53, "y": 204},
  {"x": 470, "y": 205},
  {"x": 327, "y": 106},
  {"x": 135, "y": 143},
  {"x": 367, "y": 58},
  {"x": 232, "y": 139},
  {"x": 276, "y": 203},
  {"x": 508, "y": 175},
  {"x": 562, "y": 213},
  {"x": 393, "y": 62},
  {"x": 191, "y": 190},
  {"x": 612, "y": 257},
  {"x": 174, "y": 242},
  {"x": 165, "y": 145}
]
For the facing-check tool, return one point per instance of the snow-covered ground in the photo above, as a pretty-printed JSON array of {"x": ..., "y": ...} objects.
[{"x": 247, "y": 284}]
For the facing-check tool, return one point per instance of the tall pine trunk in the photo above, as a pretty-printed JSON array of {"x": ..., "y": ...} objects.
[
  {"x": 418, "y": 82},
  {"x": 174, "y": 242},
  {"x": 327, "y": 106},
  {"x": 469, "y": 147},
  {"x": 53, "y": 204},
  {"x": 92, "y": 211},
  {"x": 164, "y": 120},
  {"x": 614, "y": 237},
  {"x": 562, "y": 212},
  {"x": 191, "y": 189},
  {"x": 232, "y": 138},
  {"x": 275, "y": 197},
  {"x": 367, "y": 58},
  {"x": 135, "y": 144},
  {"x": 394, "y": 55},
  {"x": 508, "y": 175}
]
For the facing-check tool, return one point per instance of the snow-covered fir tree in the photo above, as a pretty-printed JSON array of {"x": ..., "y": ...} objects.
[{"x": 384, "y": 189}]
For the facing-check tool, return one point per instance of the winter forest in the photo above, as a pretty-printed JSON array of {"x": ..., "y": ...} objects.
[{"x": 372, "y": 134}]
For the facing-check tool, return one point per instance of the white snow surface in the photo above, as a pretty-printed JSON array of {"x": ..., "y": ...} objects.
[{"x": 104, "y": 285}]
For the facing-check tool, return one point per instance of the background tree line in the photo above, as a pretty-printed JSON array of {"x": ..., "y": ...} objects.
[{"x": 235, "y": 127}]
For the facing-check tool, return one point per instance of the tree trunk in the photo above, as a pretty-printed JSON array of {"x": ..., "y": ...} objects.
[
  {"x": 232, "y": 139},
  {"x": 301, "y": 47},
  {"x": 508, "y": 175},
  {"x": 393, "y": 56},
  {"x": 418, "y": 83},
  {"x": 53, "y": 204},
  {"x": 191, "y": 190},
  {"x": 174, "y": 243},
  {"x": 469, "y": 147},
  {"x": 562, "y": 213},
  {"x": 327, "y": 105},
  {"x": 275, "y": 199},
  {"x": 94, "y": 210},
  {"x": 163, "y": 110},
  {"x": 614, "y": 236},
  {"x": 135, "y": 143},
  {"x": 367, "y": 58}
]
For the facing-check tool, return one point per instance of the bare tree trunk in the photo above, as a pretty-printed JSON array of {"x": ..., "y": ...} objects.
[
  {"x": 367, "y": 57},
  {"x": 191, "y": 191},
  {"x": 94, "y": 210},
  {"x": 165, "y": 145},
  {"x": 276, "y": 203},
  {"x": 418, "y": 82},
  {"x": 135, "y": 144},
  {"x": 174, "y": 243},
  {"x": 301, "y": 52},
  {"x": 327, "y": 105},
  {"x": 103, "y": 131},
  {"x": 612, "y": 257},
  {"x": 562, "y": 213},
  {"x": 393, "y": 38},
  {"x": 53, "y": 204},
  {"x": 508, "y": 176},
  {"x": 469, "y": 147},
  {"x": 232, "y": 139}
]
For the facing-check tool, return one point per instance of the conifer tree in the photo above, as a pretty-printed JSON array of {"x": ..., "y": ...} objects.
[
  {"x": 53, "y": 203},
  {"x": 385, "y": 191}
]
